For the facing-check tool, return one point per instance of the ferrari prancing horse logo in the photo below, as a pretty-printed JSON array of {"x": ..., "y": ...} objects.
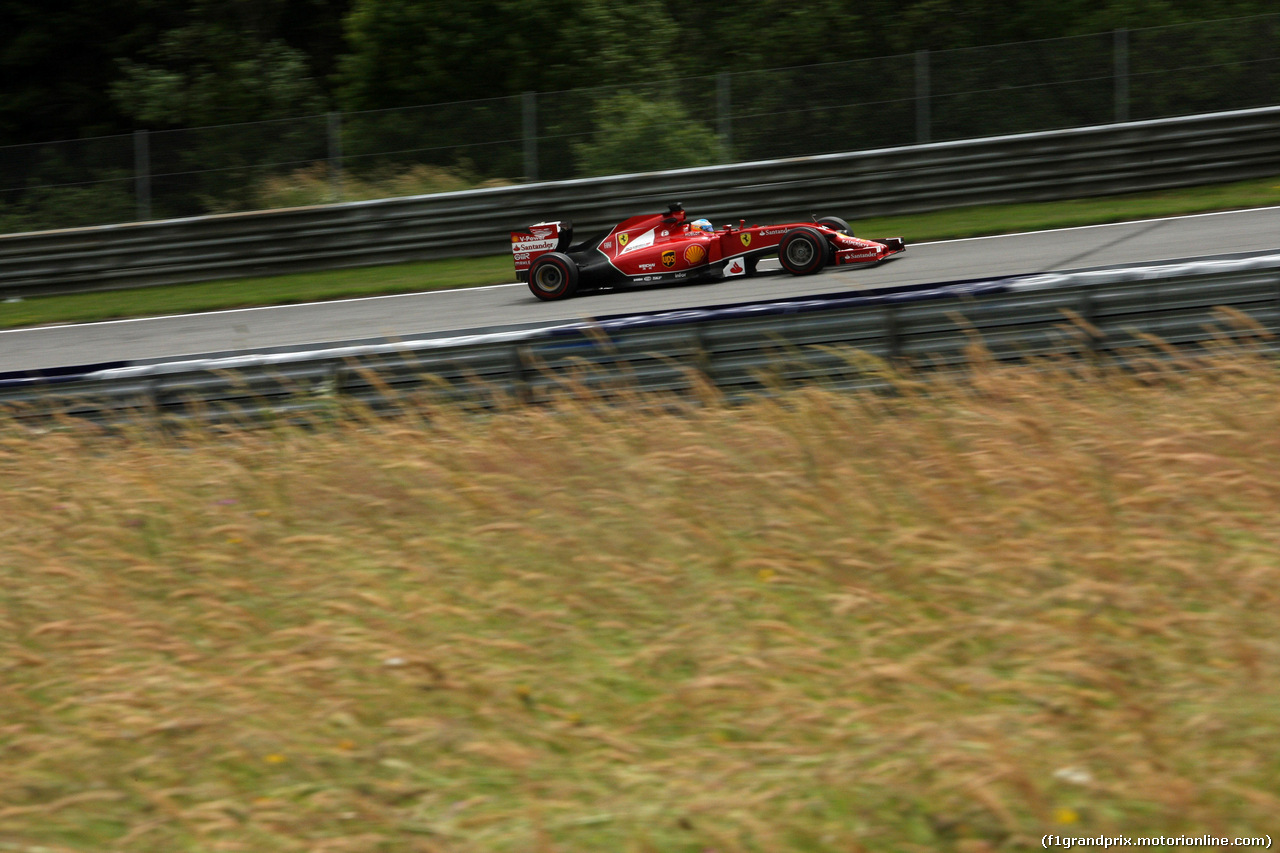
[
  {"x": 622, "y": 240},
  {"x": 746, "y": 239},
  {"x": 669, "y": 258}
]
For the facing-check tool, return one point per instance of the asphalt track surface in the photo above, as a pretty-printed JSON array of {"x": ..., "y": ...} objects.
[{"x": 440, "y": 313}]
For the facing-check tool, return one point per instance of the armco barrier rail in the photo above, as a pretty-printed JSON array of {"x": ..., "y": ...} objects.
[
  {"x": 740, "y": 350},
  {"x": 1025, "y": 167}
]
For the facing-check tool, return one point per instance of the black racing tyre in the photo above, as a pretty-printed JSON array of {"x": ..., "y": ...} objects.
[
  {"x": 835, "y": 223},
  {"x": 803, "y": 251},
  {"x": 553, "y": 276}
]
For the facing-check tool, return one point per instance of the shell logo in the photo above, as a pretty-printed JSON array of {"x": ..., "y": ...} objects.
[{"x": 694, "y": 254}]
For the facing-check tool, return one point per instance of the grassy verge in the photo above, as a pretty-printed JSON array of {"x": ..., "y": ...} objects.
[
  {"x": 240, "y": 293},
  {"x": 436, "y": 275},
  {"x": 1007, "y": 219},
  {"x": 957, "y": 620}
]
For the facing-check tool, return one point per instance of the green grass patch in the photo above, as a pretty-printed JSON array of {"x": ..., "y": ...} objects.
[
  {"x": 469, "y": 272},
  {"x": 1031, "y": 602},
  {"x": 247, "y": 292},
  {"x": 984, "y": 220}
]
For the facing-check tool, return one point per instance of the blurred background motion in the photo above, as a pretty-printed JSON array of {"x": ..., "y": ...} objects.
[{"x": 211, "y": 108}]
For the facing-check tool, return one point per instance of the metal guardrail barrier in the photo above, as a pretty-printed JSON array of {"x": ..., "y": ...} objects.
[
  {"x": 1024, "y": 167},
  {"x": 740, "y": 350}
]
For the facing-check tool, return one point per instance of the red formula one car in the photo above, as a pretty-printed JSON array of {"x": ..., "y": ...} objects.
[{"x": 666, "y": 247}]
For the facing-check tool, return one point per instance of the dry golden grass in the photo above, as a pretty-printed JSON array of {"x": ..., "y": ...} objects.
[{"x": 957, "y": 620}]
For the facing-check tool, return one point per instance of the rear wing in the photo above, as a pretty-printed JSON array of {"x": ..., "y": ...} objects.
[{"x": 538, "y": 240}]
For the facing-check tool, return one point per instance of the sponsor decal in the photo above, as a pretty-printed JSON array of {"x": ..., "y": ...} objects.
[
  {"x": 694, "y": 254},
  {"x": 669, "y": 258},
  {"x": 640, "y": 242},
  {"x": 680, "y": 275},
  {"x": 534, "y": 246},
  {"x": 623, "y": 238},
  {"x": 745, "y": 238},
  {"x": 666, "y": 233},
  {"x": 736, "y": 266},
  {"x": 772, "y": 231},
  {"x": 647, "y": 266},
  {"x": 607, "y": 244},
  {"x": 522, "y": 256},
  {"x": 541, "y": 233}
]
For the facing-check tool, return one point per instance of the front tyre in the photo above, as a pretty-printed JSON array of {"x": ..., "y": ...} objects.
[
  {"x": 553, "y": 276},
  {"x": 803, "y": 251},
  {"x": 835, "y": 223}
]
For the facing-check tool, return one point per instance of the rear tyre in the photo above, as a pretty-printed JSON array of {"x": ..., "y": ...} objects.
[
  {"x": 553, "y": 276},
  {"x": 835, "y": 223},
  {"x": 803, "y": 251}
]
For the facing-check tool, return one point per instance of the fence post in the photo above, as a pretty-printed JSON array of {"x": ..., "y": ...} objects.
[
  {"x": 1120, "y": 42},
  {"x": 529, "y": 109},
  {"x": 724, "y": 115},
  {"x": 892, "y": 334},
  {"x": 521, "y": 391},
  {"x": 142, "y": 173},
  {"x": 335, "y": 156},
  {"x": 1088, "y": 310},
  {"x": 923, "y": 119}
]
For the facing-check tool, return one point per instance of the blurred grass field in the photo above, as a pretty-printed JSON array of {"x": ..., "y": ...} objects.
[
  {"x": 957, "y": 618},
  {"x": 471, "y": 272}
]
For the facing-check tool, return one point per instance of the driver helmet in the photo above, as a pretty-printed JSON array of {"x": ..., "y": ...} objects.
[{"x": 701, "y": 225}]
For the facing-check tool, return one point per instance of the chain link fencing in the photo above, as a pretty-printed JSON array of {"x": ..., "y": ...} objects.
[{"x": 1126, "y": 75}]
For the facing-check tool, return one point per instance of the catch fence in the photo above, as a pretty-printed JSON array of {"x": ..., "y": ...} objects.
[{"x": 1127, "y": 75}]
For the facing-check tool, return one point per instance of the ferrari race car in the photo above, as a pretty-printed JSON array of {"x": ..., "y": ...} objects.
[{"x": 666, "y": 247}]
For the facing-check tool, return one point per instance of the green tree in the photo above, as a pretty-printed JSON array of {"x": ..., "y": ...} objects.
[
  {"x": 759, "y": 35},
  {"x": 645, "y": 136},
  {"x": 224, "y": 63},
  {"x": 777, "y": 33},
  {"x": 221, "y": 65},
  {"x": 79, "y": 68},
  {"x": 405, "y": 52},
  {"x": 54, "y": 59}
]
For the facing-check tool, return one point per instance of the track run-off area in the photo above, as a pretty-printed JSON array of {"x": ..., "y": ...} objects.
[{"x": 449, "y": 312}]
